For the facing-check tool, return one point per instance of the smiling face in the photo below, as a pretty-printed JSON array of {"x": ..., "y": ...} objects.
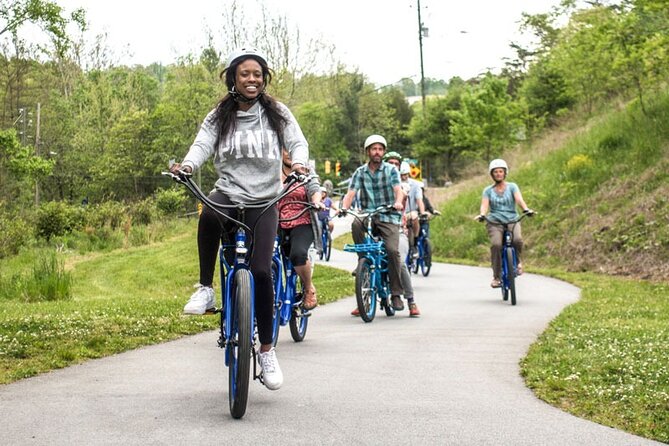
[{"x": 249, "y": 78}]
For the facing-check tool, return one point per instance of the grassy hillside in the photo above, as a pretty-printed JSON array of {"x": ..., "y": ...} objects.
[{"x": 602, "y": 199}]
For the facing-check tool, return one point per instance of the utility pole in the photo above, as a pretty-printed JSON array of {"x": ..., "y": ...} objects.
[
  {"x": 37, "y": 125},
  {"x": 420, "y": 43}
]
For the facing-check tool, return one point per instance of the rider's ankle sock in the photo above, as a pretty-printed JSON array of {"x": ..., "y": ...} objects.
[{"x": 409, "y": 300}]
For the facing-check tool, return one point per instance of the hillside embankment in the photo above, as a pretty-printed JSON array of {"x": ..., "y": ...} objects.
[{"x": 600, "y": 187}]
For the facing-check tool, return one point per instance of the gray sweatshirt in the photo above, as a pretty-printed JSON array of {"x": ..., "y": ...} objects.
[{"x": 248, "y": 160}]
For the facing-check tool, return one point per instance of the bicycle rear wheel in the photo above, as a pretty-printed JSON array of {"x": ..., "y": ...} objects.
[
  {"x": 239, "y": 345},
  {"x": 365, "y": 294},
  {"x": 426, "y": 263},
  {"x": 511, "y": 274},
  {"x": 298, "y": 318}
]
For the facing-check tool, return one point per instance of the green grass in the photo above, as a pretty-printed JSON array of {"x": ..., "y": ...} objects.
[
  {"x": 120, "y": 300},
  {"x": 605, "y": 357}
]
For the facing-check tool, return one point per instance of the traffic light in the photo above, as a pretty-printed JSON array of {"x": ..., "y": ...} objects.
[
  {"x": 337, "y": 168},
  {"x": 327, "y": 167}
]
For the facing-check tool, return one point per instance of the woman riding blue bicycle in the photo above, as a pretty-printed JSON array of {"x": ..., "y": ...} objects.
[
  {"x": 297, "y": 234},
  {"x": 245, "y": 134},
  {"x": 501, "y": 199}
]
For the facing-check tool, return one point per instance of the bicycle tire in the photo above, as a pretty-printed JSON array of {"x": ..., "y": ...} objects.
[
  {"x": 511, "y": 274},
  {"x": 426, "y": 263},
  {"x": 240, "y": 345},
  {"x": 388, "y": 308},
  {"x": 327, "y": 247},
  {"x": 365, "y": 294},
  {"x": 298, "y": 320},
  {"x": 276, "y": 312}
]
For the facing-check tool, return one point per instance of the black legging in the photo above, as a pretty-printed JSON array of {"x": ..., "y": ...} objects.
[
  {"x": 297, "y": 246},
  {"x": 209, "y": 234}
]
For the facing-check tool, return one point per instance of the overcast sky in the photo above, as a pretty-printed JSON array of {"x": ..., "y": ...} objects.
[{"x": 379, "y": 37}]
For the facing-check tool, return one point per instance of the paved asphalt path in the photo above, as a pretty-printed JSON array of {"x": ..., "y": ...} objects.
[{"x": 450, "y": 377}]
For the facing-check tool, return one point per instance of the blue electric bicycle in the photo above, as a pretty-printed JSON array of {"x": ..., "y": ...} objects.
[
  {"x": 237, "y": 327},
  {"x": 288, "y": 290},
  {"x": 326, "y": 241},
  {"x": 423, "y": 260},
  {"x": 371, "y": 275},
  {"x": 509, "y": 256}
]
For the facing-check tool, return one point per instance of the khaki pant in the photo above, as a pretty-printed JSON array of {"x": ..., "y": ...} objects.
[
  {"x": 390, "y": 233},
  {"x": 496, "y": 233}
]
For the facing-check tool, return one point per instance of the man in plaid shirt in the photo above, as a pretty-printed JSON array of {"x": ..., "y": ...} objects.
[{"x": 379, "y": 185}]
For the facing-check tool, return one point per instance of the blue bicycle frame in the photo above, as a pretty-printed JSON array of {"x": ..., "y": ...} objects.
[
  {"x": 424, "y": 259},
  {"x": 238, "y": 324},
  {"x": 288, "y": 297},
  {"x": 371, "y": 281},
  {"x": 509, "y": 259}
]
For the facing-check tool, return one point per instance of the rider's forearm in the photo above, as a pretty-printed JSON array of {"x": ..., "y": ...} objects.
[{"x": 347, "y": 200}]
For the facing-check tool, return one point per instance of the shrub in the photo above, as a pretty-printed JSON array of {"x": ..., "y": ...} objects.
[
  {"x": 170, "y": 201},
  {"x": 15, "y": 232},
  {"x": 142, "y": 212},
  {"x": 110, "y": 214},
  {"x": 57, "y": 218},
  {"x": 578, "y": 166}
]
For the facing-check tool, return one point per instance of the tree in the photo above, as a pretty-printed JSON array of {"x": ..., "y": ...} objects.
[
  {"x": 26, "y": 167},
  {"x": 546, "y": 92},
  {"x": 488, "y": 120},
  {"x": 430, "y": 132},
  {"x": 43, "y": 13}
]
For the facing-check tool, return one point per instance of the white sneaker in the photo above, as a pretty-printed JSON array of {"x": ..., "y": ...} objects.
[
  {"x": 201, "y": 301},
  {"x": 271, "y": 372}
]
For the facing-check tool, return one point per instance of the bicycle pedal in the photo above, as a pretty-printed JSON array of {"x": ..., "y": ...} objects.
[{"x": 213, "y": 311}]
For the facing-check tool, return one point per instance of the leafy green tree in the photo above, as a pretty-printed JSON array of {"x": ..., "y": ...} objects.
[
  {"x": 430, "y": 134},
  {"x": 21, "y": 162},
  {"x": 188, "y": 96},
  {"x": 546, "y": 93},
  {"x": 489, "y": 120},
  {"x": 318, "y": 121}
]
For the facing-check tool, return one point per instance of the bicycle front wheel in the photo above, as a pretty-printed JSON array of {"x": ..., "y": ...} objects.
[
  {"x": 276, "y": 311},
  {"x": 365, "y": 292},
  {"x": 298, "y": 318},
  {"x": 239, "y": 345},
  {"x": 327, "y": 247},
  {"x": 426, "y": 263},
  {"x": 511, "y": 274}
]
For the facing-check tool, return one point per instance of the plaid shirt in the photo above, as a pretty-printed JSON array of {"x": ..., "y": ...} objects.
[{"x": 376, "y": 189}]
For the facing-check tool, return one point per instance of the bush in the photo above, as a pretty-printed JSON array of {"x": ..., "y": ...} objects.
[
  {"x": 15, "y": 232},
  {"x": 170, "y": 201},
  {"x": 578, "y": 167},
  {"x": 57, "y": 218},
  {"x": 142, "y": 212},
  {"x": 111, "y": 214}
]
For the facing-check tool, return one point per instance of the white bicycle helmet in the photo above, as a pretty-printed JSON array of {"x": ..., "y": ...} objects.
[
  {"x": 372, "y": 139},
  {"x": 245, "y": 52},
  {"x": 405, "y": 168},
  {"x": 496, "y": 164}
]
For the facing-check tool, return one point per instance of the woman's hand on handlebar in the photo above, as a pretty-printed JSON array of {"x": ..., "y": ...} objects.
[
  {"x": 176, "y": 168},
  {"x": 300, "y": 169}
]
